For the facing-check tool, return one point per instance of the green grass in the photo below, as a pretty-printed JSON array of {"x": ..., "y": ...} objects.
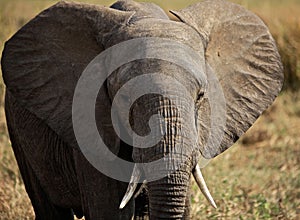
[{"x": 258, "y": 178}]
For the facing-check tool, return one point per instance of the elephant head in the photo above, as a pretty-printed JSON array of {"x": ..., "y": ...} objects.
[{"x": 206, "y": 78}]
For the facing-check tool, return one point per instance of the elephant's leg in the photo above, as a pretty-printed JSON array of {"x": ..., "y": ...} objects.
[
  {"x": 44, "y": 209},
  {"x": 41, "y": 157},
  {"x": 101, "y": 196}
]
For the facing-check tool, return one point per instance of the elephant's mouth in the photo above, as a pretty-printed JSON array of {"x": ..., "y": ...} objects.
[{"x": 136, "y": 177}]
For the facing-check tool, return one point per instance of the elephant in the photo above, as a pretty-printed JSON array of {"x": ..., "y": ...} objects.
[{"x": 215, "y": 67}]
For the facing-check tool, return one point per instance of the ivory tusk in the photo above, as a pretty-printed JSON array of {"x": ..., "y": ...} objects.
[
  {"x": 202, "y": 185},
  {"x": 141, "y": 189},
  {"x": 134, "y": 180}
]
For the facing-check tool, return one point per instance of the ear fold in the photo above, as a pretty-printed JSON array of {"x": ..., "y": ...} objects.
[
  {"x": 243, "y": 56},
  {"x": 43, "y": 61}
]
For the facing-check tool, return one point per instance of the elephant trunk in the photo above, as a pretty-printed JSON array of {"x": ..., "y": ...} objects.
[
  {"x": 168, "y": 164},
  {"x": 168, "y": 196}
]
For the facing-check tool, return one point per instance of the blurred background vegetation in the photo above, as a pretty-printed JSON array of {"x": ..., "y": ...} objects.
[{"x": 258, "y": 178}]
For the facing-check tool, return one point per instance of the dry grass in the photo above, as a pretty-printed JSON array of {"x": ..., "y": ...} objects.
[{"x": 258, "y": 178}]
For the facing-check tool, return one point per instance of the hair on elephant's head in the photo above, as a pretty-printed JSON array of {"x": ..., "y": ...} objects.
[{"x": 180, "y": 91}]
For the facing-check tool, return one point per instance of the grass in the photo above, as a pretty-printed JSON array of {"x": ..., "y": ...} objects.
[{"x": 258, "y": 178}]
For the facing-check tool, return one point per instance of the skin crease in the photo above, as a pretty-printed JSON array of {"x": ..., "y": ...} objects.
[{"x": 234, "y": 45}]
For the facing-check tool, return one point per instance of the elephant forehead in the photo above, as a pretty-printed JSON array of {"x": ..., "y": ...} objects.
[
  {"x": 159, "y": 28},
  {"x": 189, "y": 42},
  {"x": 141, "y": 9},
  {"x": 171, "y": 73}
]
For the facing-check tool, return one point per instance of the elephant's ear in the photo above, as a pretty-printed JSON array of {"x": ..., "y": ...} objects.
[
  {"x": 43, "y": 61},
  {"x": 241, "y": 53}
]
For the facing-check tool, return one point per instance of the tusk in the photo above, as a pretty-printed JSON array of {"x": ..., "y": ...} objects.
[
  {"x": 134, "y": 180},
  {"x": 141, "y": 189},
  {"x": 202, "y": 185}
]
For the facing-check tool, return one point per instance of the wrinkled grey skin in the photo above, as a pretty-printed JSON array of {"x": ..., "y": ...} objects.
[{"x": 43, "y": 61}]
